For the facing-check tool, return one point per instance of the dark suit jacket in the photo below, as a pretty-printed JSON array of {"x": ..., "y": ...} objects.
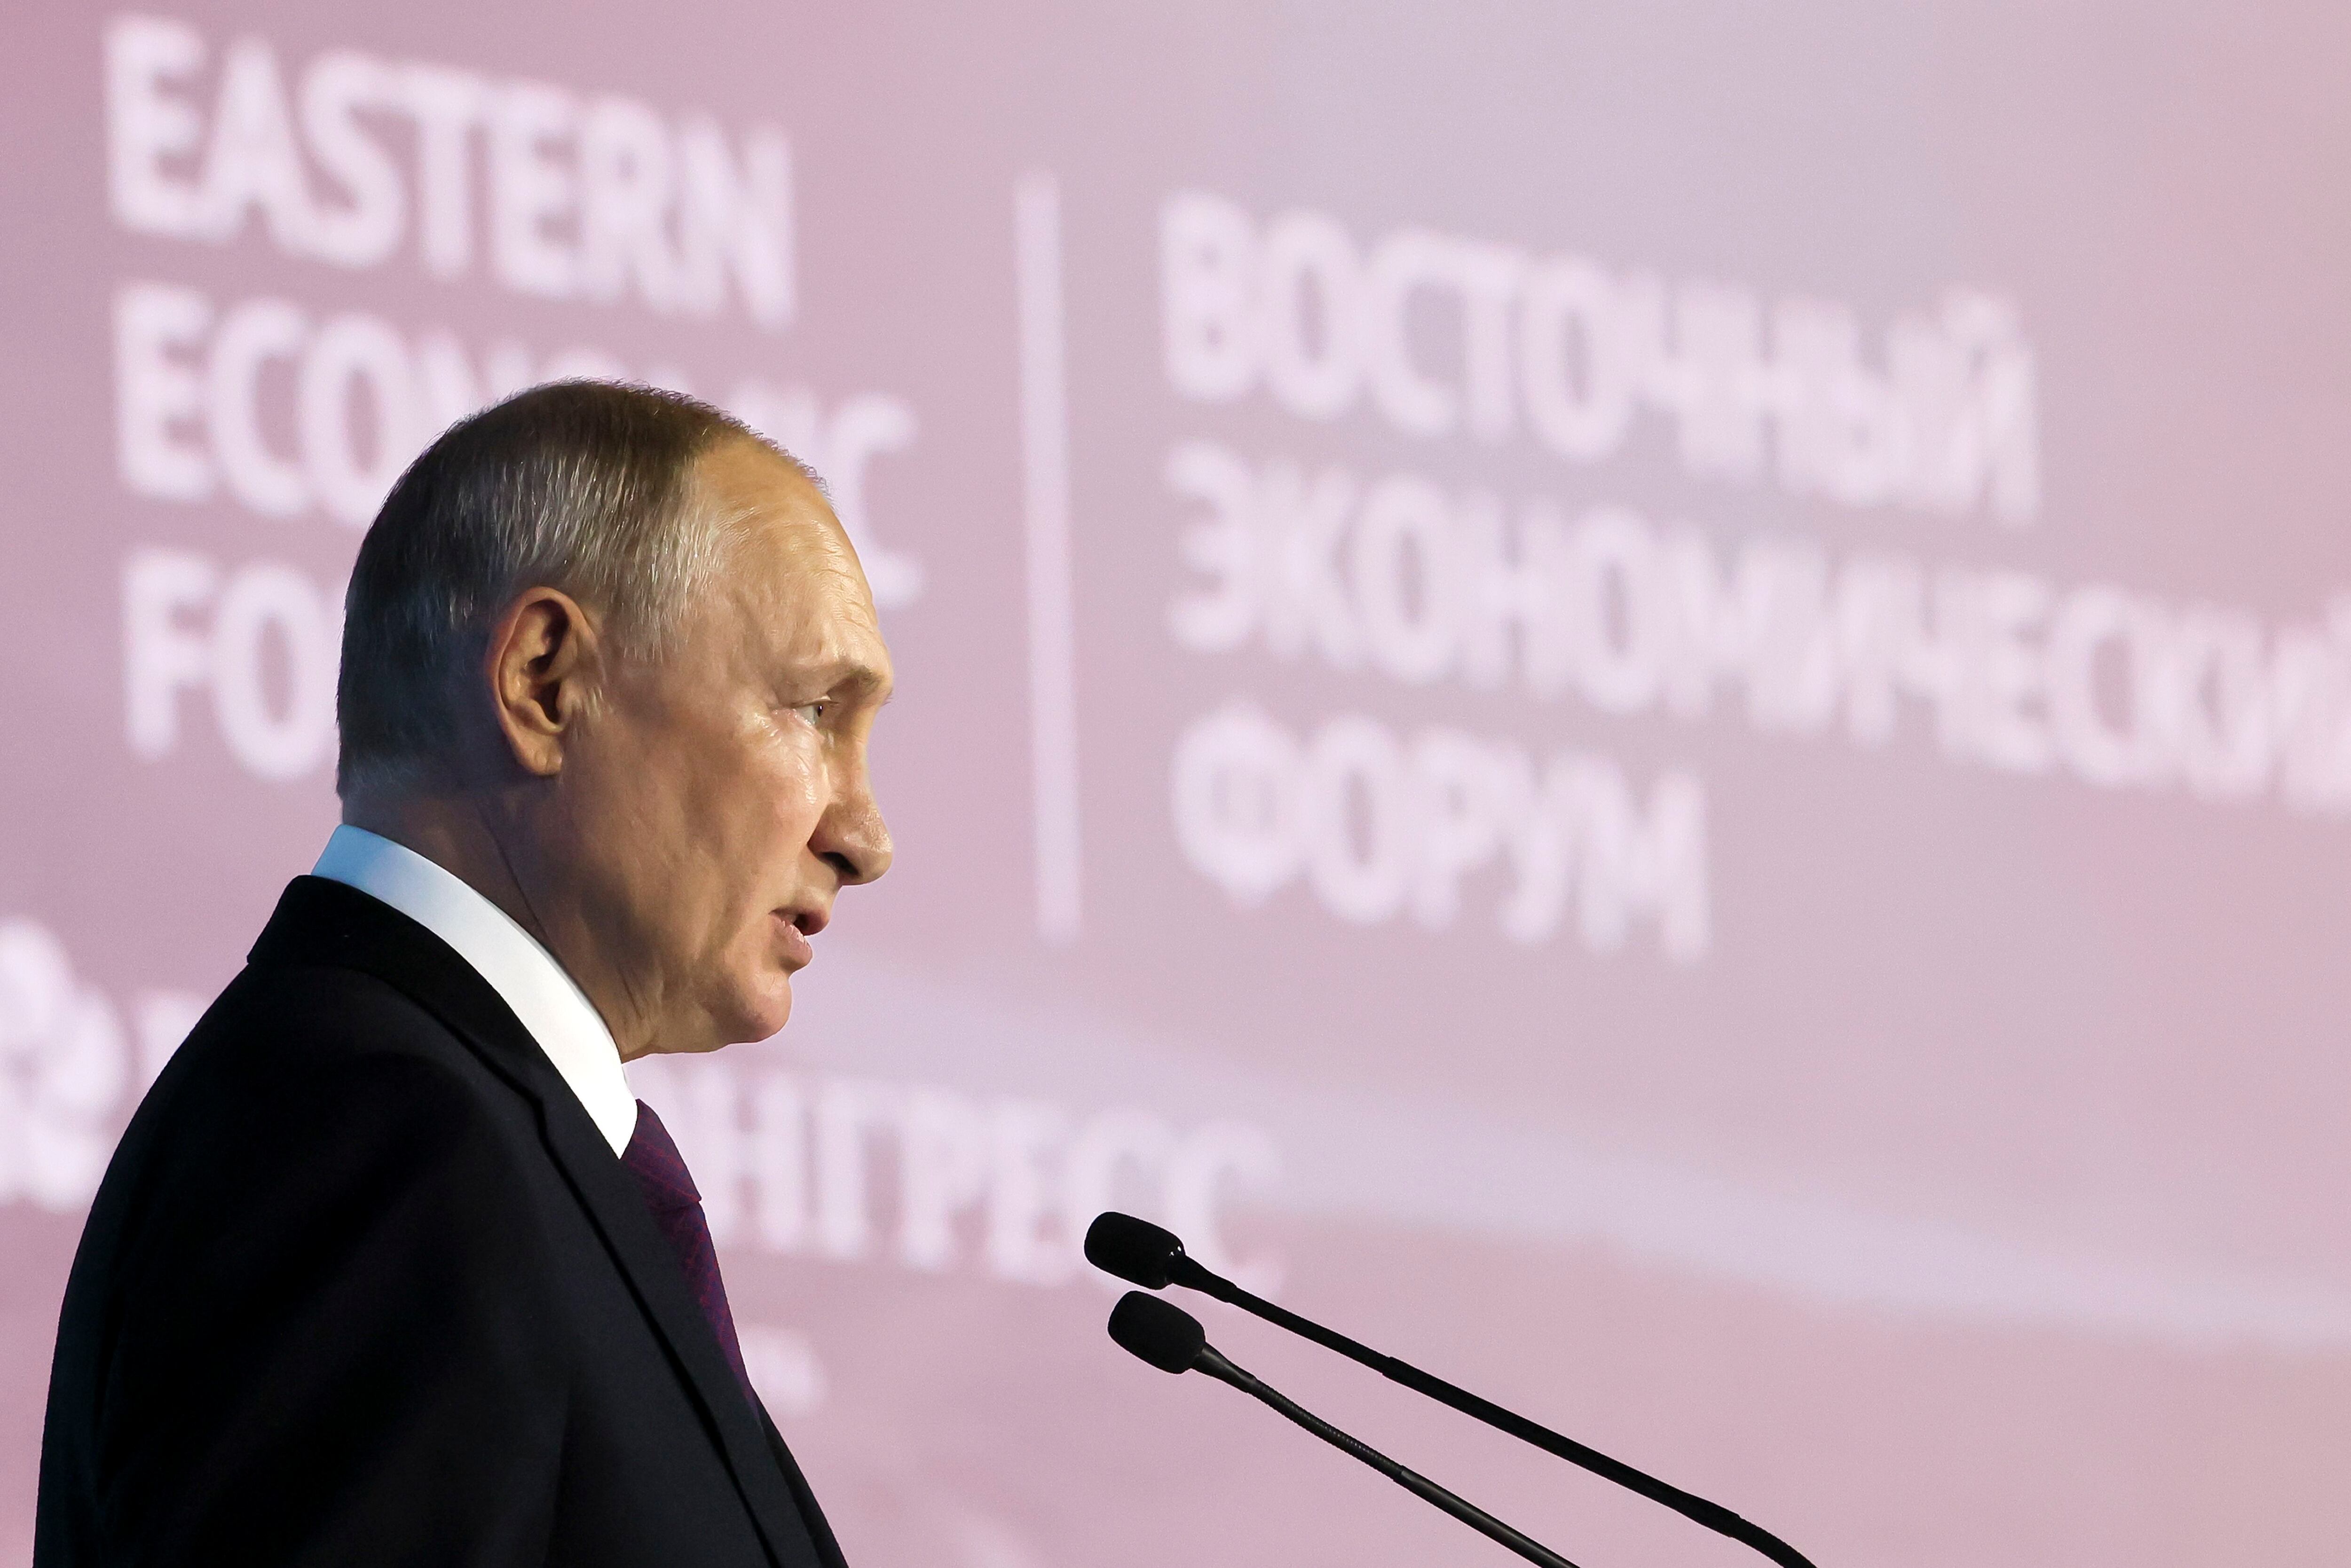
[{"x": 365, "y": 1285}]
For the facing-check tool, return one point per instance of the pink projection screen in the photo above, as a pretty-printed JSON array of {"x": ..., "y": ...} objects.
[{"x": 1652, "y": 702}]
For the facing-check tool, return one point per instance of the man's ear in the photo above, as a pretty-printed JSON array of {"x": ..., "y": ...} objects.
[{"x": 542, "y": 665}]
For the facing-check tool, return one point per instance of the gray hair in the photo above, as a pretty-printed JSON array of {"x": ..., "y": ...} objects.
[{"x": 579, "y": 486}]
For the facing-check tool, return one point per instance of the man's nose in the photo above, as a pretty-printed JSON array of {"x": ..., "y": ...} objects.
[{"x": 854, "y": 840}]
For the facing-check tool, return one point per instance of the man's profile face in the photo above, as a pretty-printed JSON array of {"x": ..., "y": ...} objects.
[{"x": 720, "y": 796}]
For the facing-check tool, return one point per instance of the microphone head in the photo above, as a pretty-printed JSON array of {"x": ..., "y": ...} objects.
[
  {"x": 1136, "y": 1251},
  {"x": 1161, "y": 1333}
]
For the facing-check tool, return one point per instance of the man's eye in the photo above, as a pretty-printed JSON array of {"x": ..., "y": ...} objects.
[{"x": 812, "y": 712}]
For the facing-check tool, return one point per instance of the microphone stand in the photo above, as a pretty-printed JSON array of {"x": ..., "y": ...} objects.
[
  {"x": 1216, "y": 1366},
  {"x": 1713, "y": 1515}
]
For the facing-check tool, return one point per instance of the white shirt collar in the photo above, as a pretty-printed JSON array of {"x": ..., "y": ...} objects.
[{"x": 546, "y": 1000}]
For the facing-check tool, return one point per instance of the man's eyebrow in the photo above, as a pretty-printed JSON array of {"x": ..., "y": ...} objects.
[{"x": 852, "y": 676}]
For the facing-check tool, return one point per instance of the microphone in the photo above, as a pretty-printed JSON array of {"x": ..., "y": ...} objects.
[
  {"x": 1144, "y": 1254},
  {"x": 1172, "y": 1340},
  {"x": 1140, "y": 1253}
]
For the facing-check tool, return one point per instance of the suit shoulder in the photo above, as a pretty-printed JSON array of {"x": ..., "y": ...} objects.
[
  {"x": 328, "y": 1199},
  {"x": 322, "y": 1043},
  {"x": 303, "y": 1017},
  {"x": 315, "y": 1075}
]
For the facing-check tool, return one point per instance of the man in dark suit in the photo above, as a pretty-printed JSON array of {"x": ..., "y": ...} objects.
[{"x": 391, "y": 1267}]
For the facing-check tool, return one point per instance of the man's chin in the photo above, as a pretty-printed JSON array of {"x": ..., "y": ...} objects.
[{"x": 766, "y": 1013}]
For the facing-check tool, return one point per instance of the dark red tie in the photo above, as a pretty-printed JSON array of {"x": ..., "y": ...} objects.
[{"x": 653, "y": 1158}]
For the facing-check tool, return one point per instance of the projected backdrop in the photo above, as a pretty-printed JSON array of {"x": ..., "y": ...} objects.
[{"x": 1651, "y": 701}]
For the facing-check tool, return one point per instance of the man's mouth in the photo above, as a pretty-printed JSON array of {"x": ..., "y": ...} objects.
[{"x": 798, "y": 925}]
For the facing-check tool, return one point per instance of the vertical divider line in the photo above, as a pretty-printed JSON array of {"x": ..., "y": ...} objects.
[{"x": 1045, "y": 472}]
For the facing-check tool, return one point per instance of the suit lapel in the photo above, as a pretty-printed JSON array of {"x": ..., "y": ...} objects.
[
  {"x": 326, "y": 923},
  {"x": 617, "y": 1204}
]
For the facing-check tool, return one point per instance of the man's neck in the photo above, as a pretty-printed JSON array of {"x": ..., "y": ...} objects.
[
  {"x": 454, "y": 832},
  {"x": 451, "y": 833}
]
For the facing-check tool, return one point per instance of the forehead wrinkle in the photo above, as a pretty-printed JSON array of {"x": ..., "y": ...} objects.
[
  {"x": 819, "y": 619},
  {"x": 791, "y": 571},
  {"x": 812, "y": 549}
]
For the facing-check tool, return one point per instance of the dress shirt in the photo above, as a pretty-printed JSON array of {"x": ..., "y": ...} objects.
[{"x": 542, "y": 994}]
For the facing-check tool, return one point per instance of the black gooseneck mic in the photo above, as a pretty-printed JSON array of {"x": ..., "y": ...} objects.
[
  {"x": 1144, "y": 1254},
  {"x": 1172, "y": 1340}
]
